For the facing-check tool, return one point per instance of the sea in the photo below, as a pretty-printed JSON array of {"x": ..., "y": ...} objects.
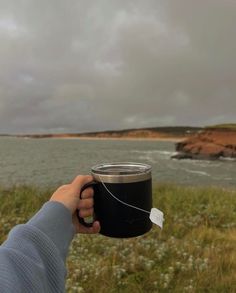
[{"x": 55, "y": 161}]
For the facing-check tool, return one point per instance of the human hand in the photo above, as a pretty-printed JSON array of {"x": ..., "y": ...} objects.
[{"x": 69, "y": 196}]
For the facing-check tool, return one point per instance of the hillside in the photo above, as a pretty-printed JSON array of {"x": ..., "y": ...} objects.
[
  {"x": 231, "y": 126},
  {"x": 146, "y": 133}
]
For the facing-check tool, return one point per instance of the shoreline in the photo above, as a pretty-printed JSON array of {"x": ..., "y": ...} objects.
[
  {"x": 173, "y": 139},
  {"x": 167, "y": 139}
]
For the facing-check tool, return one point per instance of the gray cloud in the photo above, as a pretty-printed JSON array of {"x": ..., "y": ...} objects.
[{"x": 94, "y": 65}]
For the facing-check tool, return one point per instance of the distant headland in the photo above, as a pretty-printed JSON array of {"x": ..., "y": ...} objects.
[
  {"x": 211, "y": 143},
  {"x": 168, "y": 133}
]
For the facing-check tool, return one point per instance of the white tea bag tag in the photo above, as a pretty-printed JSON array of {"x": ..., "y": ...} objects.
[{"x": 157, "y": 217}]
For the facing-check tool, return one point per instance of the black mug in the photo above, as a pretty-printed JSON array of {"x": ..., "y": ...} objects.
[{"x": 122, "y": 199}]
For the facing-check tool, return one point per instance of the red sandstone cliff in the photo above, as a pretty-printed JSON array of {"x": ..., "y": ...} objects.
[{"x": 208, "y": 144}]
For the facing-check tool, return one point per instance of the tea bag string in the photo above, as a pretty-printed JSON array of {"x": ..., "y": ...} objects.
[{"x": 121, "y": 201}]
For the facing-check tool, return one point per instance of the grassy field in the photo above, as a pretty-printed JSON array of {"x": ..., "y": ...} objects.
[
  {"x": 231, "y": 126},
  {"x": 195, "y": 252}
]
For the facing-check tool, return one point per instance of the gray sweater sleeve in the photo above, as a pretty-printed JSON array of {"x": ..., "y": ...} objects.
[{"x": 32, "y": 259}]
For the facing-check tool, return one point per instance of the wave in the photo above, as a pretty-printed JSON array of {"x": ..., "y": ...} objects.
[
  {"x": 169, "y": 153},
  {"x": 228, "y": 159},
  {"x": 200, "y": 163},
  {"x": 197, "y": 172},
  {"x": 203, "y": 173}
]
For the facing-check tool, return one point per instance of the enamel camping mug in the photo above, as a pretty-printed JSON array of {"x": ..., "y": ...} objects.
[{"x": 122, "y": 198}]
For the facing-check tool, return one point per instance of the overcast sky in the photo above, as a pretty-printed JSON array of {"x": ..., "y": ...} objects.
[{"x": 79, "y": 65}]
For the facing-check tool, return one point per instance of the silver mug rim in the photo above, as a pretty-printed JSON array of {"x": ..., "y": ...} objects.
[{"x": 126, "y": 172}]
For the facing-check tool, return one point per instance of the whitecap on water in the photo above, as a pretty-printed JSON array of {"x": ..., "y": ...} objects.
[
  {"x": 197, "y": 172},
  {"x": 227, "y": 159},
  {"x": 154, "y": 152}
]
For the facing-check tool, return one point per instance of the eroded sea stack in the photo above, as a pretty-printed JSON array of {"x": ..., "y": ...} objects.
[{"x": 208, "y": 144}]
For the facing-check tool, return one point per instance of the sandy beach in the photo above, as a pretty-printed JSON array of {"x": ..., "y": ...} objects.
[{"x": 169, "y": 139}]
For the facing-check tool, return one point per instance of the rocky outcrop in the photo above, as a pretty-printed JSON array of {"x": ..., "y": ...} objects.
[{"x": 210, "y": 144}]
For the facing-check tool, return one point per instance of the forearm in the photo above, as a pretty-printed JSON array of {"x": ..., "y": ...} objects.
[
  {"x": 55, "y": 221},
  {"x": 32, "y": 259}
]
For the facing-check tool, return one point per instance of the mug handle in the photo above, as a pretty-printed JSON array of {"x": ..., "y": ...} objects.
[{"x": 81, "y": 220}]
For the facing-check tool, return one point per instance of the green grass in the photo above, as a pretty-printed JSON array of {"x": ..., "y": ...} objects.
[
  {"x": 231, "y": 126},
  {"x": 195, "y": 252}
]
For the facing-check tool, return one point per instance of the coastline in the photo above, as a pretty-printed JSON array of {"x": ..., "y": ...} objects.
[
  {"x": 173, "y": 134},
  {"x": 167, "y": 139},
  {"x": 211, "y": 144}
]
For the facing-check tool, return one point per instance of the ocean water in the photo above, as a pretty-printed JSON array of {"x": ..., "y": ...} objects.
[{"x": 51, "y": 162}]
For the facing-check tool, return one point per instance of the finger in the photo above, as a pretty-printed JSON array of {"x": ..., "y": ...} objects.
[
  {"x": 80, "y": 181},
  {"x": 87, "y": 193},
  {"x": 95, "y": 228},
  {"x": 86, "y": 213},
  {"x": 91, "y": 230},
  {"x": 86, "y": 203}
]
